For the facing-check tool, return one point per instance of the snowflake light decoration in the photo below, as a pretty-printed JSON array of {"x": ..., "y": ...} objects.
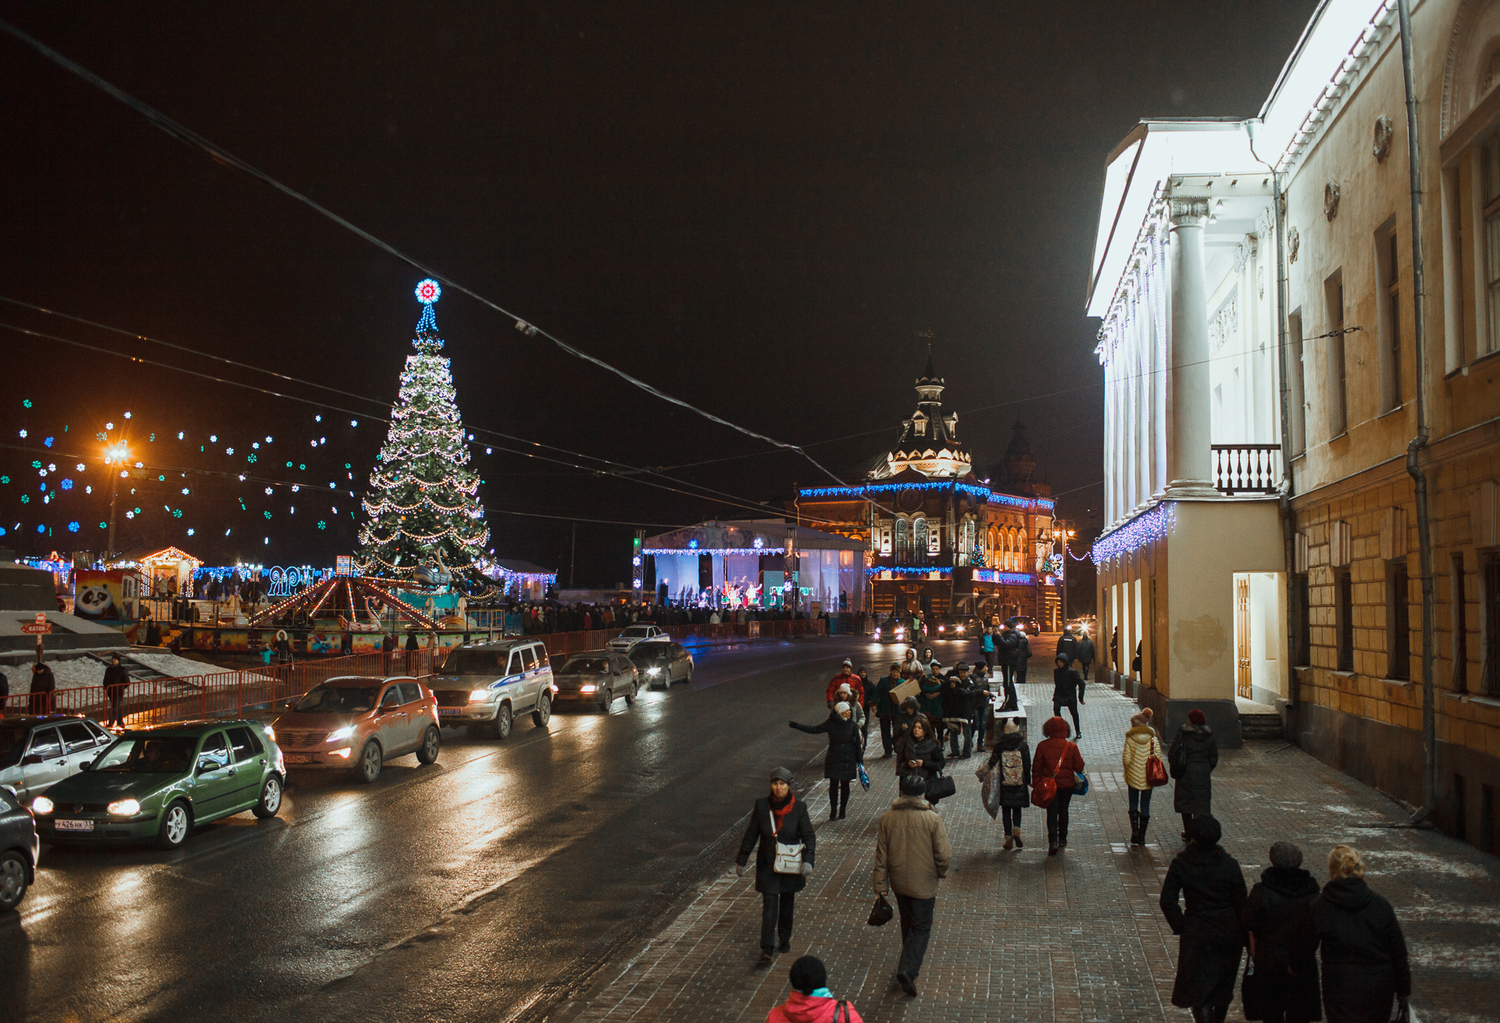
[{"x": 429, "y": 291}]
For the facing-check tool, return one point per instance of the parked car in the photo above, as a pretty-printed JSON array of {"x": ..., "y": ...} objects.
[
  {"x": 484, "y": 686},
  {"x": 19, "y": 849},
  {"x": 38, "y": 752},
  {"x": 160, "y": 783},
  {"x": 637, "y": 634},
  {"x": 957, "y": 627},
  {"x": 662, "y": 664},
  {"x": 1025, "y": 622},
  {"x": 596, "y": 677},
  {"x": 358, "y": 722}
]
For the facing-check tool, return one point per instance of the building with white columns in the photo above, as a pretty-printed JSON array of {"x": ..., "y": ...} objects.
[{"x": 1256, "y": 287}]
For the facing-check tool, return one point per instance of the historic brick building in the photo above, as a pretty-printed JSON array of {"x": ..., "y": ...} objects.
[{"x": 941, "y": 539}]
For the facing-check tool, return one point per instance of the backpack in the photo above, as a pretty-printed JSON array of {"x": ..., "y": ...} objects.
[{"x": 1011, "y": 768}]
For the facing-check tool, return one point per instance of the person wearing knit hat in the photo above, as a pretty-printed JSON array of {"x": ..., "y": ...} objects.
[
  {"x": 1210, "y": 936},
  {"x": 845, "y": 677},
  {"x": 1141, "y": 744},
  {"x": 778, "y": 818},
  {"x": 1192, "y": 758},
  {"x": 846, "y": 751},
  {"x": 810, "y": 1000}
]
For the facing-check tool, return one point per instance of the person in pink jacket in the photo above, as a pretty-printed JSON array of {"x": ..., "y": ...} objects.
[{"x": 810, "y": 1000}]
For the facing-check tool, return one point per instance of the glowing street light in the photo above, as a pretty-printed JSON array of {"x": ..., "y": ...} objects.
[{"x": 115, "y": 454}]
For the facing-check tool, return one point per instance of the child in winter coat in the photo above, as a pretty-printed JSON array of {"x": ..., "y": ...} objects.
[
  {"x": 1141, "y": 744},
  {"x": 1011, "y": 762},
  {"x": 810, "y": 1000}
]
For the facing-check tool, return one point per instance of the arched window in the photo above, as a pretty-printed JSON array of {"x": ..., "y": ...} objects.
[
  {"x": 919, "y": 536},
  {"x": 902, "y": 539}
]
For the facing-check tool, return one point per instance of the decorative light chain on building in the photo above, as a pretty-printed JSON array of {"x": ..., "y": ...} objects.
[{"x": 1144, "y": 529}]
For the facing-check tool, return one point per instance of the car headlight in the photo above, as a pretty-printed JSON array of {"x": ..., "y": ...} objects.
[
  {"x": 588, "y": 688},
  {"x": 479, "y": 696},
  {"x": 125, "y": 808},
  {"x": 340, "y": 733},
  {"x": 653, "y": 671},
  {"x": 877, "y": 633},
  {"x": 41, "y": 804}
]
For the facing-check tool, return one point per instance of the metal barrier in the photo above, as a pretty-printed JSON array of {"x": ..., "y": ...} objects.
[{"x": 230, "y": 693}]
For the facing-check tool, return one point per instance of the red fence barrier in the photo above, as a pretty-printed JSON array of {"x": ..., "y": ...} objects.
[{"x": 230, "y": 693}]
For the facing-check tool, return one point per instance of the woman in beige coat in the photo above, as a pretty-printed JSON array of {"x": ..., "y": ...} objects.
[{"x": 1141, "y": 744}]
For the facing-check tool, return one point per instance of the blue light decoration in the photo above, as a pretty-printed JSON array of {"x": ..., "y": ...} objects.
[
  {"x": 924, "y": 571},
  {"x": 47, "y": 442},
  {"x": 977, "y": 492},
  {"x": 693, "y": 544},
  {"x": 1141, "y": 531},
  {"x": 72, "y": 527},
  {"x": 994, "y": 575},
  {"x": 712, "y": 551}
]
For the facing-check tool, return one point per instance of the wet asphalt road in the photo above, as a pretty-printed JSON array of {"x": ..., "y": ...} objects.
[{"x": 487, "y": 886}]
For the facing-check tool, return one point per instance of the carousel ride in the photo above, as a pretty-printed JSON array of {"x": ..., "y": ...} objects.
[{"x": 357, "y": 603}]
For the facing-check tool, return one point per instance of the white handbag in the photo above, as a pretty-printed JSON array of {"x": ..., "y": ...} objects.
[{"x": 788, "y": 856}]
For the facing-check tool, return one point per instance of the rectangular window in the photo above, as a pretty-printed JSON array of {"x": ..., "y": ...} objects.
[
  {"x": 1304, "y": 619},
  {"x": 1459, "y": 606},
  {"x": 1490, "y": 173},
  {"x": 1388, "y": 315},
  {"x": 1338, "y": 382},
  {"x": 1345, "y": 615},
  {"x": 1296, "y": 384},
  {"x": 1491, "y": 625},
  {"x": 1398, "y": 621}
]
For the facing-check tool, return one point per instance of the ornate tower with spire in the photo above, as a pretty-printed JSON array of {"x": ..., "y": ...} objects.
[{"x": 929, "y": 440}]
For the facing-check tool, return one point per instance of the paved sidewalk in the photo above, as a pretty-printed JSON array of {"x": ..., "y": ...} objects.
[{"x": 1076, "y": 937}]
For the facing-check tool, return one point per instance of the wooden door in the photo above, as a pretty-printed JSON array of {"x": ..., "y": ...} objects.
[{"x": 1242, "y": 637}]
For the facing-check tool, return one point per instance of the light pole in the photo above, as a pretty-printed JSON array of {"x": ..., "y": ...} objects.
[{"x": 116, "y": 454}]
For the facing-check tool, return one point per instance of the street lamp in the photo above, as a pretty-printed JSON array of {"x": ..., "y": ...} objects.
[{"x": 115, "y": 454}]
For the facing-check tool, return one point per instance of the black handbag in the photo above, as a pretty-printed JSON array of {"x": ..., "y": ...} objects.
[
  {"x": 1252, "y": 994},
  {"x": 940, "y": 788},
  {"x": 882, "y": 913}
]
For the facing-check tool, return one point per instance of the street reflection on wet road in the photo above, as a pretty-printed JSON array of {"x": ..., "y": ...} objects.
[{"x": 493, "y": 880}]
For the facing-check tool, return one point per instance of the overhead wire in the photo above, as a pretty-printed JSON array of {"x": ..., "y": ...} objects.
[{"x": 189, "y": 137}]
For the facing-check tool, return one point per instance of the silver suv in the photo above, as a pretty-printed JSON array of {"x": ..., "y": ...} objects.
[
  {"x": 38, "y": 752},
  {"x": 486, "y": 685}
]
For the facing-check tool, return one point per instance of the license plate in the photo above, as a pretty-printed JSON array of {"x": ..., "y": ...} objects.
[
  {"x": 63, "y": 825},
  {"x": 297, "y": 758},
  {"x": 448, "y": 712}
]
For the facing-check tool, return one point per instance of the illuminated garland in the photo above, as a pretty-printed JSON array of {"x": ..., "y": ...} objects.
[
  {"x": 1141, "y": 531},
  {"x": 973, "y": 490}
]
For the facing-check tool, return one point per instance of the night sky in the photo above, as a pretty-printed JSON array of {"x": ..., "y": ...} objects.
[{"x": 759, "y": 208}]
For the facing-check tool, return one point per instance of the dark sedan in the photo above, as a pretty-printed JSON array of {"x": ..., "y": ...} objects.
[
  {"x": 662, "y": 664},
  {"x": 19, "y": 849}
]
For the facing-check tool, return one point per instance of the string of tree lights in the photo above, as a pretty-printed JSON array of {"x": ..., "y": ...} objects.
[{"x": 423, "y": 502}]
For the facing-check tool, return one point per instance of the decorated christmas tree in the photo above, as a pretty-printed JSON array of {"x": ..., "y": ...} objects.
[{"x": 423, "y": 502}]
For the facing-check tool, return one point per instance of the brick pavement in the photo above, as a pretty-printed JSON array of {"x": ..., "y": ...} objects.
[{"x": 1077, "y": 937}]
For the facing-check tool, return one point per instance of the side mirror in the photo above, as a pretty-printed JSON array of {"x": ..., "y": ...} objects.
[
  {"x": 87, "y": 765},
  {"x": 204, "y": 766}
]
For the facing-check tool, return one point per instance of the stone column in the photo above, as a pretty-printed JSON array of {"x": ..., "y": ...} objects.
[
  {"x": 1190, "y": 469},
  {"x": 1111, "y": 436}
]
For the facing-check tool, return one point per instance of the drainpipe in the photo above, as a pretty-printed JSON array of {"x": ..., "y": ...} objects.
[
  {"x": 1284, "y": 492},
  {"x": 1414, "y": 449}
]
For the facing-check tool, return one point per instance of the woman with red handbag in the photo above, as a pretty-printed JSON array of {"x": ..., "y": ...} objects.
[
  {"x": 1059, "y": 763},
  {"x": 1144, "y": 770}
]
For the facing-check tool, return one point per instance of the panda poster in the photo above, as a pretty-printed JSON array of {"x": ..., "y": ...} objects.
[{"x": 100, "y": 596}]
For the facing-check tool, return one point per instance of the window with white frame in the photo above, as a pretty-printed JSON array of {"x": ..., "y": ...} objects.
[{"x": 919, "y": 535}]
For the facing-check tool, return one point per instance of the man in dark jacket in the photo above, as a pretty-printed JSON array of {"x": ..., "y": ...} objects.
[
  {"x": 43, "y": 684},
  {"x": 780, "y": 817},
  {"x": 1066, "y": 685},
  {"x": 1278, "y": 923},
  {"x": 978, "y": 694},
  {"x": 1209, "y": 933},
  {"x": 1067, "y": 646},
  {"x": 1022, "y": 655},
  {"x": 955, "y": 700},
  {"x": 116, "y": 681},
  {"x": 885, "y": 707},
  {"x": 1192, "y": 758},
  {"x": 1007, "y": 643},
  {"x": 1365, "y": 968},
  {"x": 1085, "y": 654}
]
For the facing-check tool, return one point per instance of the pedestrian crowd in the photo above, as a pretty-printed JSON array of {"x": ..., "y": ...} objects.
[{"x": 1334, "y": 952}]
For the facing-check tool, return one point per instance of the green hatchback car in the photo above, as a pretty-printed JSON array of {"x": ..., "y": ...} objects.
[{"x": 158, "y": 783}]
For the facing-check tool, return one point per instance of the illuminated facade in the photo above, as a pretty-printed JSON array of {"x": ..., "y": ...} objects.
[
  {"x": 1236, "y": 329},
  {"x": 938, "y": 539}
]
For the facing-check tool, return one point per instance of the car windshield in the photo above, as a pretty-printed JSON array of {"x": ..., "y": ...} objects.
[
  {"x": 167, "y": 754},
  {"x": 476, "y": 662},
  {"x": 331, "y": 699},
  {"x": 649, "y": 653},
  {"x": 637, "y": 630},
  {"x": 12, "y": 742},
  {"x": 585, "y": 666}
]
